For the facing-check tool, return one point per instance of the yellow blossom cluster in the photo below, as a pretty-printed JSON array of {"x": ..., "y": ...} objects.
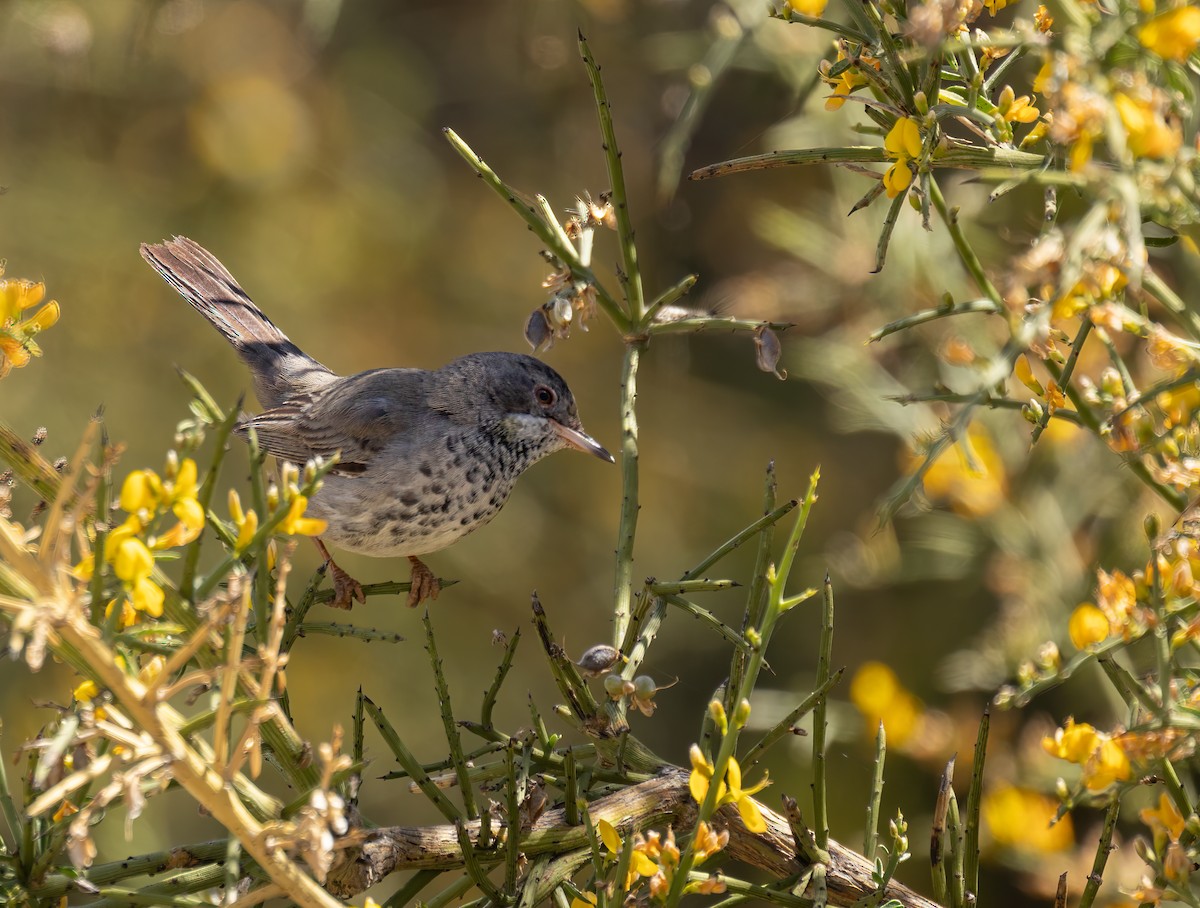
[
  {"x": 129, "y": 548},
  {"x": 1173, "y": 35},
  {"x": 19, "y": 325},
  {"x": 1101, "y": 756},
  {"x": 655, "y": 858}
]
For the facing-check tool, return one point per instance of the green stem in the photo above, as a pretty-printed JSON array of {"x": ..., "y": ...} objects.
[
  {"x": 620, "y": 199},
  {"x": 1103, "y": 848},
  {"x": 820, "y": 726},
  {"x": 966, "y": 252},
  {"x": 623, "y": 583}
]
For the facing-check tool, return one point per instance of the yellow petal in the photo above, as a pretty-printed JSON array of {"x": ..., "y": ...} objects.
[
  {"x": 247, "y": 527},
  {"x": 904, "y": 139},
  {"x": 698, "y": 785},
  {"x": 752, "y": 816},
  {"x": 148, "y": 598},
  {"x": 44, "y": 318},
  {"x": 190, "y": 513},
  {"x": 134, "y": 561},
  {"x": 137, "y": 492},
  {"x": 643, "y": 864},
  {"x": 897, "y": 178},
  {"x": 235, "y": 507},
  {"x": 609, "y": 836},
  {"x": 733, "y": 775}
]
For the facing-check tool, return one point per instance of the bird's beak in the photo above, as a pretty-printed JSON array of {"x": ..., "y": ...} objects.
[{"x": 581, "y": 441}]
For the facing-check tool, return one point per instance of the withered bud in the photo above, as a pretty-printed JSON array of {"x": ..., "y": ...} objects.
[
  {"x": 537, "y": 330},
  {"x": 598, "y": 659},
  {"x": 767, "y": 351}
]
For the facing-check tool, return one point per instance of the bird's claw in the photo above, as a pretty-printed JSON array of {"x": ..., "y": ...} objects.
[
  {"x": 346, "y": 590},
  {"x": 424, "y": 585}
]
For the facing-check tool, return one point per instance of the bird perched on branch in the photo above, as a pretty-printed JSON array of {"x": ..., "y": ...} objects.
[{"x": 425, "y": 457}]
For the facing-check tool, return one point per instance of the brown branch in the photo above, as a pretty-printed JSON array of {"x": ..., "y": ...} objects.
[{"x": 367, "y": 856}]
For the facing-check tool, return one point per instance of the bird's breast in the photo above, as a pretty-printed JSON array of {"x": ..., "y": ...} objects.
[{"x": 417, "y": 507}]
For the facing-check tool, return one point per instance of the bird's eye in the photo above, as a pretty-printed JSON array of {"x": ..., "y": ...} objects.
[{"x": 545, "y": 396}]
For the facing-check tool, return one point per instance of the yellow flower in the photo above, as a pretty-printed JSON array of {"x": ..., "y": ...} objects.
[
  {"x": 812, "y": 8},
  {"x": 750, "y": 812},
  {"x": 16, "y": 296},
  {"x": 880, "y": 697},
  {"x": 133, "y": 561},
  {"x": 1174, "y": 34},
  {"x": 1024, "y": 373},
  {"x": 1165, "y": 821},
  {"x": 1023, "y": 820},
  {"x": 1101, "y": 756},
  {"x": 708, "y": 841},
  {"x": 1148, "y": 134},
  {"x": 994, "y": 6},
  {"x": 1116, "y": 596},
  {"x": 138, "y": 492},
  {"x": 583, "y": 900},
  {"x": 902, "y": 143},
  {"x": 296, "y": 524},
  {"x": 17, "y": 344},
  {"x": 1108, "y": 764},
  {"x": 87, "y": 691},
  {"x": 1022, "y": 110},
  {"x": 973, "y": 484},
  {"x": 1088, "y": 625},
  {"x": 1073, "y": 742},
  {"x": 128, "y": 613},
  {"x": 1042, "y": 79},
  {"x": 641, "y": 864},
  {"x": 147, "y": 596},
  {"x": 729, "y": 791}
]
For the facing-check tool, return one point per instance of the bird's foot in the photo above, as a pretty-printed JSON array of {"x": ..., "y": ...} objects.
[
  {"x": 424, "y": 584},
  {"x": 346, "y": 590}
]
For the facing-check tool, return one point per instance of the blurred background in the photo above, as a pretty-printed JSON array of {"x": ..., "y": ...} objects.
[{"x": 302, "y": 143}]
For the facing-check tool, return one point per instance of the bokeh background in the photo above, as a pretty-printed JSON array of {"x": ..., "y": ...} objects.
[{"x": 301, "y": 142}]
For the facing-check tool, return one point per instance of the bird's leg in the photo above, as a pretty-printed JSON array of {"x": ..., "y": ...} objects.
[
  {"x": 345, "y": 588},
  {"x": 424, "y": 583}
]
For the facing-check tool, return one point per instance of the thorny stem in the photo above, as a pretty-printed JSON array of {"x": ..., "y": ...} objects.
[
  {"x": 616, "y": 176},
  {"x": 627, "y": 529}
]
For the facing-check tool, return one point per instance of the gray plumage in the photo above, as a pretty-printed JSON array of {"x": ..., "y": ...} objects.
[{"x": 426, "y": 457}]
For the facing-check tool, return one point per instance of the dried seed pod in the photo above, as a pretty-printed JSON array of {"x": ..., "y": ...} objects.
[
  {"x": 598, "y": 659},
  {"x": 767, "y": 351}
]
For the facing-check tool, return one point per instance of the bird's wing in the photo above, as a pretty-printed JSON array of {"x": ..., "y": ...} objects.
[{"x": 354, "y": 417}]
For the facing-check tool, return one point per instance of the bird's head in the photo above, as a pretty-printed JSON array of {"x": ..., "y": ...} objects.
[{"x": 524, "y": 399}]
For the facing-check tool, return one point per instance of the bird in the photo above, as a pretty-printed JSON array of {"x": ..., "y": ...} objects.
[{"x": 424, "y": 457}]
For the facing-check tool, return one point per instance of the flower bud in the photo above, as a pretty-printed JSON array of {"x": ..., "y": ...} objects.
[
  {"x": 644, "y": 687},
  {"x": 741, "y": 715},
  {"x": 614, "y": 686},
  {"x": 716, "y": 710}
]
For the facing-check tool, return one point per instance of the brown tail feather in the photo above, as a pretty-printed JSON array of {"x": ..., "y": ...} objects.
[{"x": 280, "y": 367}]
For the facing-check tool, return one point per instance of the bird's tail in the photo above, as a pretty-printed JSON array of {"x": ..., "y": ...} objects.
[{"x": 281, "y": 369}]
